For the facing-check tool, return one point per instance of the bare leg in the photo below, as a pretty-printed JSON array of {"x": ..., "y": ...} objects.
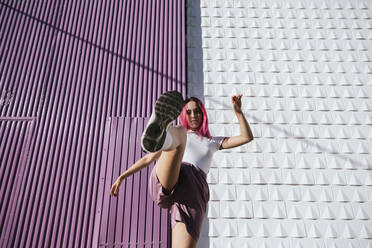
[
  {"x": 168, "y": 170},
  {"x": 169, "y": 164},
  {"x": 181, "y": 238}
]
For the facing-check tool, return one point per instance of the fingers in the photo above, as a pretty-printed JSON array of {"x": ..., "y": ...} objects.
[
  {"x": 236, "y": 98},
  {"x": 114, "y": 190}
]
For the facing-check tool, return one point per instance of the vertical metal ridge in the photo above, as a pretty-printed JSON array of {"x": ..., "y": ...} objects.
[
  {"x": 132, "y": 52},
  {"x": 150, "y": 61},
  {"x": 160, "y": 47},
  {"x": 183, "y": 62},
  {"x": 14, "y": 59},
  {"x": 70, "y": 66},
  {"x": 8, "y": 173},
  {"x": 173, "y": 62},
  {"x": 89, "y": 115},
  {"x": 61, "y": 70},
  {"x": 59, "y": 92},
  {"x": 143, "y": 182},
  {"x": 74, "y": 146},
  {"x": 136, "y": 65},
  {"x": 8, "y": 60},
  {"x": 167, "y": 24},
  {"x": 20, "y": 57},
  {"x": 99, "y": 125},
  {"x": 81, "y": 139},
  {"x": 128, "y": 219},
  {"x": 12, "y": 167}
]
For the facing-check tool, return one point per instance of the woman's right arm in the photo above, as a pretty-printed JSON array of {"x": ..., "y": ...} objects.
[{"x": 139, "y": 165}]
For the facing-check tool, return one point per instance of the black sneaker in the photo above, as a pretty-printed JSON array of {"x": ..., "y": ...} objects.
[{"x": 167, "y": 108}]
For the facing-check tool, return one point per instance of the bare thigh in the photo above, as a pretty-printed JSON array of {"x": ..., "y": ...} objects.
[
  {"x": 181, "y": 238},
  {"x": 168, "y": 168},
  {"x": 169, "y": 164}
]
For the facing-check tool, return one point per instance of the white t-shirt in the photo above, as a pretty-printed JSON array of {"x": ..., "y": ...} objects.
[{"x": 199, "y": 150}]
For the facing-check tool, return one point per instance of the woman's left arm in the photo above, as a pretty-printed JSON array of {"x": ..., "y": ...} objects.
[{"x": 245, "y": 131}]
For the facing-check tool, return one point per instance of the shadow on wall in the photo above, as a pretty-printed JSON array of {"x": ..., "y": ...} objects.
[
  {"x": 195, "y": 76},
  {"x": 195, "y": 73},
  {"x": 195, "y": 87},
  {"x": 321, "y": 149}
]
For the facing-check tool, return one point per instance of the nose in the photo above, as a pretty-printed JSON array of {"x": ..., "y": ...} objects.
[{"x": 194, "y": 113}]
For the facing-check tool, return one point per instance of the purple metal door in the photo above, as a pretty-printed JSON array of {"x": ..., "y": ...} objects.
[{"x": 131, "y": 219}]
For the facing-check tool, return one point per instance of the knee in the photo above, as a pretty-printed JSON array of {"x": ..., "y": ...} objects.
[{"x": 182, "y": 132}]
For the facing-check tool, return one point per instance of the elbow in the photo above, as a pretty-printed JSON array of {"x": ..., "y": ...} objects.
[{"x": 249, "y": 139}]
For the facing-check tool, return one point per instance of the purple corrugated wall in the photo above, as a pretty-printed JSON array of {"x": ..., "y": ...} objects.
[{"x": 77, "y": 83}]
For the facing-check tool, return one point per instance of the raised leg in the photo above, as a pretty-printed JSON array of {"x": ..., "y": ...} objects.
[{"x": 169, "y": 164}]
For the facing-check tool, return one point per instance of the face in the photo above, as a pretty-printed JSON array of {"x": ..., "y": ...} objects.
[{"x": 194, "y": 115}]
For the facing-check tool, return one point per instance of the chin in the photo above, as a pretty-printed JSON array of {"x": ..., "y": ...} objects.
[{"x": 193, "y": 128}]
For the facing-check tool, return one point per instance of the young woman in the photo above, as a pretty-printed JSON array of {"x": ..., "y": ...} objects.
[{"x": 184, "y": 154}]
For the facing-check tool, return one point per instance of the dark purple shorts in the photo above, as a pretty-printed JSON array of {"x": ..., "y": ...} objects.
[{"x": 188, "y": 200}]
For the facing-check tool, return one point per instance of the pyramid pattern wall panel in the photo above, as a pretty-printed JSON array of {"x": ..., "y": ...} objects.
[{"x": 304, "y": 69}]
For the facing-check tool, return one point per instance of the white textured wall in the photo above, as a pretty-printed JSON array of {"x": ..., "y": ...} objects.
[{"x": 304, "y": 68}]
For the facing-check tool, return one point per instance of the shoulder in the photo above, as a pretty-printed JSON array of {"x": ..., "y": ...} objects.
[{"x": 217, "y": 140}]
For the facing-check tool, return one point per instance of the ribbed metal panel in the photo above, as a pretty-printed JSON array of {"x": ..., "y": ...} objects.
[
  {"x": 132, "y": 218},
  {"x": 42, "y": 11},
  {"x": 25, "y": 55},
  {"x": 16, "y": 131},
  {"x": 71, "y": 65},
  {"x": 145, "y": 44}
]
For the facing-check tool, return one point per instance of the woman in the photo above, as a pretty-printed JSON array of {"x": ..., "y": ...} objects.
[{"x": 183, "y": 154}]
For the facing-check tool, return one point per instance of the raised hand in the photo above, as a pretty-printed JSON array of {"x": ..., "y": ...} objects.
[{"x": 237, "y": 103}]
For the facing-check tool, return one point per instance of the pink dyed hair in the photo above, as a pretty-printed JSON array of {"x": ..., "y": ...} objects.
[{"x": 203, "y": 129}]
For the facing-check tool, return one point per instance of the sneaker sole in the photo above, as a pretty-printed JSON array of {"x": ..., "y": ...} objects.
[{"x": 167, "y": 108}]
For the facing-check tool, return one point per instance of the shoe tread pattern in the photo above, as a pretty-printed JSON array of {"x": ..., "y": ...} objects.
[{"x": 167, "y": 109}]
